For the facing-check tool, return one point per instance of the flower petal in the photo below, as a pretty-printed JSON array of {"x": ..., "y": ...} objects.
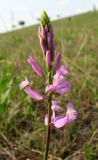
[
  {"x": 35, "y": 66},
  {"x": 55, "y": 106},
  {"x": 49, "y": 88},
  {"x": 62, "y": 87},
  {"x": 58, "y": 79},
  {"x": 41, "y": 33},
  {"x": 34, "y": 94},
  {"x": 60, "y": 121},
  {"x": 71, "y": 113},
  {"x": 49, "y": 39},
  {"x": 24, "y": 83},
  {"x": 43, "y": 45},
  {"x": 46, "y": 119},
  {"x": 62, "y": 71},
  {"x": 70, "y": 116}
]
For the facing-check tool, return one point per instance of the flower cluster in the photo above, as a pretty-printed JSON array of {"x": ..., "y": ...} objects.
[
  {"x": 55, "y": 73},
  {"x": 63, "y": 119},
  {"x": 59, "y": 85}
]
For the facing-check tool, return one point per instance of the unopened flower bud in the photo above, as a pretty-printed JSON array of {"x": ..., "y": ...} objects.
[
  {"x": 48, "y": 59},
  {"x": 57, "y": 62},
  {"x": 49, "y": 40},
  {"x": 45, "y": 19},
  {"x": 43, "y": 45},
  {"x": 42, "y": 33}
]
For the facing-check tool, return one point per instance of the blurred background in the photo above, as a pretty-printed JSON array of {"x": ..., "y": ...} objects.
[{"x": 22, "y": 129}]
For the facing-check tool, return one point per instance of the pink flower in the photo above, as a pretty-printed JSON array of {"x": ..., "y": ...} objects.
[
  {"x": 35, "y": 66},
  {"x": 60, "y": 88},
  {"x": 63, "y": 119},
  {"x": 59, "y": 85},
  {"x": 55, "y": 108},
  {"x": 70, "y": 116},
  {"x": 24, "y": 85}
]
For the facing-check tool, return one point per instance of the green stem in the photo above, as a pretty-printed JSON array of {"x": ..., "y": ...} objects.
[{"x": 49, "y": 118}]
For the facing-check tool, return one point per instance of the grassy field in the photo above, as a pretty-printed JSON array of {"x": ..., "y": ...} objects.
[{"x": 22, "y": 130}]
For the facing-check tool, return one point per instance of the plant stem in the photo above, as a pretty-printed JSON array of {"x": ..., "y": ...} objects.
[{"x": 49, "y": 118}]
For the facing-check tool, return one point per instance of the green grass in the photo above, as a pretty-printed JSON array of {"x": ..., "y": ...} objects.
[{"x": 21, "y": 119}]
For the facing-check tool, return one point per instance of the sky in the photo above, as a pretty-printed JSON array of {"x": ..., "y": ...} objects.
[{"x": 13, "y": 11}]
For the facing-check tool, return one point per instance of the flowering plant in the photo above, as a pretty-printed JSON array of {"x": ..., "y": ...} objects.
[{"x": 57, "y": 84}]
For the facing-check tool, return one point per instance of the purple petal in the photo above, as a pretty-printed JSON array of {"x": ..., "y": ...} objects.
[
  {"x": 24, "y": 83},
  {"x": 46, "y": 119},
  {"x": 62, "y": 88},
  {"x": 41, "y": 33},
  {"x": 62, "y": 71},
  {"x": 60, "y": 121},
  {"x": 54, "y": 103},
  {"x": 49, "y": 39},
  {"x": 57, "y": 62},
  {"x": 55, "y": 106},
  {"x": 43, "y": 45},
  {"x": 34, "y": 94},
  {"x": 49, "y": 88},
  {"x": 58, "y": 79},
  {"x": 35, "y": 66},
  {"x": 71, "y": 113},
  {"x": 48, "y": 59}
]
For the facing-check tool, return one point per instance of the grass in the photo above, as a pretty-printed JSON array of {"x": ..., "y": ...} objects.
[{"x": 21, "y": 120}]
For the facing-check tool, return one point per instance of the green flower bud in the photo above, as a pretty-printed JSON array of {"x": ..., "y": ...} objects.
[{"x": 45, "y": 21}]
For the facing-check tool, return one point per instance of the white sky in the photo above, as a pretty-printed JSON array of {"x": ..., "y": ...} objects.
[{"x": 12, "y": 11}]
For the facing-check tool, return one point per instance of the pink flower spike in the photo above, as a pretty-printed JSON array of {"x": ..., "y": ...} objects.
[
  {"x": 57, "y": 62},
  {"x": 48, "y": 59},
  {"x": 35, "y": 66},
  {"x": 24, "y": 83}
]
